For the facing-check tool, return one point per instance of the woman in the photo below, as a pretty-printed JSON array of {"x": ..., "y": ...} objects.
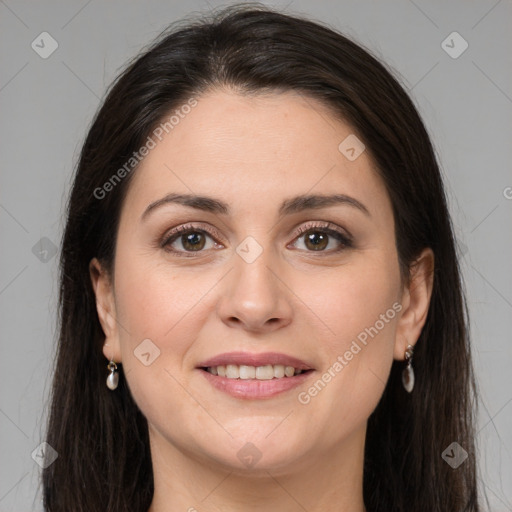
[{"x": 261, "y": 305}]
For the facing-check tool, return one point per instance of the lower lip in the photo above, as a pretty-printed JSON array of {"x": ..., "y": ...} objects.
[{"x": 254, "y": 388}]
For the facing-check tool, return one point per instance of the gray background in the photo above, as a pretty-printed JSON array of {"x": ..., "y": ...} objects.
[{"x": 47, "y": 104}]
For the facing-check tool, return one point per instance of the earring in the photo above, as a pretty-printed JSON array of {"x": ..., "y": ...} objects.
[
  {"x": 113, "y": 376},
  {"x": 408, "y": 372}
]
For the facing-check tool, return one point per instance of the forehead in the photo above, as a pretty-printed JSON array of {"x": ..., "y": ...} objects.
[{"x": 253, "y": 151}]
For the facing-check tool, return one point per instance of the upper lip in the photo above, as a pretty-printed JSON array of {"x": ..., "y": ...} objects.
[{"x": 249, "y": 359}]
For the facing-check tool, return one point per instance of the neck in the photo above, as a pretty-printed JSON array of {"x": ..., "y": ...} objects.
[{"x": 327, "y": 482}]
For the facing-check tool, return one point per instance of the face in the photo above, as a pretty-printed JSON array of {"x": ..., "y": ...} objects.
[{"x": 256, "y": 267}]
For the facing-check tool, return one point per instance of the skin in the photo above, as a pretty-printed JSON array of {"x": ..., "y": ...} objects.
[{"x": 253, "y": 153}]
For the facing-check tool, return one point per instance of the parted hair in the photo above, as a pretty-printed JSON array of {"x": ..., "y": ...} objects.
[{"x": 104, "y": 462}]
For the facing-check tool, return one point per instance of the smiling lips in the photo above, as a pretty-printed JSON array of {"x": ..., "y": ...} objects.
[
  {"x": 248, "y": 359},
  {"x": 245, "y": 372},
  {"x": 246, "y": 375}
]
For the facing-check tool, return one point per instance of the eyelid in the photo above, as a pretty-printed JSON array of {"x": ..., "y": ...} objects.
[
  {"x": 327, "y": 227},
  {"x": 321, "y": 224},
  {"x": 344, "y": 238},
  {"x": 183, "y": 228}
]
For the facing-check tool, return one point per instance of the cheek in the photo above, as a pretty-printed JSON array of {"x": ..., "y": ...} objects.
[
  {"x": 360, "y": 306},
  {"x": 156, "y": 300},
  {"x": 158, "y": 313},
  {"x": 353, "y": 298},
  {"x": 155, "y": 312}
]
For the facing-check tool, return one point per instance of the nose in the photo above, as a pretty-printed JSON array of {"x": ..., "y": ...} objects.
[{"x": 254, "y": 298}]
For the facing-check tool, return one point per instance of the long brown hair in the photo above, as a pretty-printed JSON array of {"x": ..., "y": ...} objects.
[{"x": 101, "y": 437}]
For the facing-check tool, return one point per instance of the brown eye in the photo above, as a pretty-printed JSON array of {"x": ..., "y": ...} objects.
[
  {"x": 194, "y": 241},
  {"x": 321, "y": 239},
  {"x": 188, "y": 240},
  {"x": 316, "y": 240}
]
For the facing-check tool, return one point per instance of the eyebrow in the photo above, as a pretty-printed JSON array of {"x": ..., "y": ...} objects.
[{"x": 288, "y": 207}]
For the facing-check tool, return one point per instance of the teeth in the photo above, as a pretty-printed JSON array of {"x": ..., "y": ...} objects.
[
  {"x": 289, "y": 371},
  {"x": 232, "y": 371},
  {"x": 246, "y": 372},
  {"x": 279, "y": 371},
  {"x": 267, "y": 372}
]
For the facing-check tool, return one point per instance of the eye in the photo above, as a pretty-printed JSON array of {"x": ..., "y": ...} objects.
[
  {"x": 321, "y": 238},
  {"x": 189, "y": 239}
]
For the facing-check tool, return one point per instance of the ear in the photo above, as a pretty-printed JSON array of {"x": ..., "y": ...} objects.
[
  {"x": 105, "y": 306},
  {"x": 415, "y": 302}
]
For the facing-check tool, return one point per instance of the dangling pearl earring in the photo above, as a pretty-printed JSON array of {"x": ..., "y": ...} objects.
[
  {"x": 408, "y": 373},
  {"x": 113, "y": 376}
]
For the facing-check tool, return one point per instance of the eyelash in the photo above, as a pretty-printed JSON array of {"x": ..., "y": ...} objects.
[
  {"x": 321, "y": 227},
  {"x": 326, "y": 228}
]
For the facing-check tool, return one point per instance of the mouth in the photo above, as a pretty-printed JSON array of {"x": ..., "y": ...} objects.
[
  {"x": 247, "y": 372},
  {"x": 261, "y": 362},
  {"x": 255, "y": 376}
]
